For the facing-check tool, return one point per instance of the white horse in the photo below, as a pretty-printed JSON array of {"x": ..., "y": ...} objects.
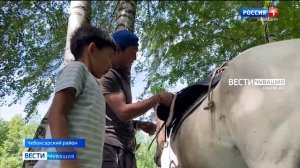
[{"x": 248, "y": 126}]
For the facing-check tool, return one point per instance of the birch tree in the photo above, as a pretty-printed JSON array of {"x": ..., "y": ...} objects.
[
  {"x": 125, "y": 17},
  {"x": 80, "y": 13}
]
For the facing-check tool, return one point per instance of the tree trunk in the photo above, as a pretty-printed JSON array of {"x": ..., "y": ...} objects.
[
  {"x": 80, "y": 13},
  {"x": 126, "y": 15},
  {"x": 268, "y": 36}
]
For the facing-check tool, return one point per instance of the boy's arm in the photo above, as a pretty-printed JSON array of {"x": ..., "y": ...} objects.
[{"x": 61, "y": 105}]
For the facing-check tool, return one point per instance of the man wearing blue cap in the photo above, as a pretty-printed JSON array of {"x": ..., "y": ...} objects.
[{"x": 119, "y": 147}]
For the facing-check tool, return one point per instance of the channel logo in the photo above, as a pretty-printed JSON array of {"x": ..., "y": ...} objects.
[
  {"x": 49, "y": 156},
  {"x": 34, "y": 155},
  {"x": 259, "y": 12},
  {"x": 273, "y": 12}
]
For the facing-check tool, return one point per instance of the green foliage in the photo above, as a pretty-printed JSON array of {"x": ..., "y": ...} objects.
[
  {"x": 11, "y": 162},
  {"x": 32, "y": 47},
  {"x": 3, "y": 130},
  {"x": 184, "y": 41},
  {"x": 143, "y": 156},
  {"x": 181, "y": 41},
  {"x": 103, "y": 15},
  {"x": 14, "y": 131},
  {"x": 12, "y": 135}
]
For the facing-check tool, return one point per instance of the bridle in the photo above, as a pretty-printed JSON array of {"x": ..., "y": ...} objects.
[{"x": 165, "y": 142}]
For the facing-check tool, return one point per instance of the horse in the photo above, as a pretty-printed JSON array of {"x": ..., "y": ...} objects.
[
  {"x": 164, "y": 156},
  {"x": 252, "y": 119}
]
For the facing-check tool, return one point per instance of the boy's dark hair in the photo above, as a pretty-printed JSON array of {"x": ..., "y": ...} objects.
[{"x": 87, "y": 34}]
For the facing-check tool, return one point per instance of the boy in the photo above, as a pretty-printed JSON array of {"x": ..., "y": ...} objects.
[{"x": 78, "y": 107}]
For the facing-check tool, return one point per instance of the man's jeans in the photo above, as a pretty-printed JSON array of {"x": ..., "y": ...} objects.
[{"x": 116, "y": 157}]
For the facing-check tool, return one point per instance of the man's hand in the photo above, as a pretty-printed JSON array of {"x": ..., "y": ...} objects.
[
  {"x": 147, "y": 127},
  {"x": 166, "y": 98}
]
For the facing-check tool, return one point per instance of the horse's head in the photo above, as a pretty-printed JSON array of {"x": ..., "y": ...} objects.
[{"x": 160, "y": 140}]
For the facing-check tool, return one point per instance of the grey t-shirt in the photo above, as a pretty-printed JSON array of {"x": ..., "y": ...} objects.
[
  {"x": 118, "y": 133},
  {"x": 85, "y": 118}
]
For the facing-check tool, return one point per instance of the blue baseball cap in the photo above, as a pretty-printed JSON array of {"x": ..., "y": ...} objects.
[{"x": 125, "y": 38}]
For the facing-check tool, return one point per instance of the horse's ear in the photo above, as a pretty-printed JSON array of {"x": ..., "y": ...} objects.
[{"x": 163, "y": 112}]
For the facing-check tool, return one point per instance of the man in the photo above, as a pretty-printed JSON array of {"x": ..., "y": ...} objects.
[{"x": 119, "y": 141}]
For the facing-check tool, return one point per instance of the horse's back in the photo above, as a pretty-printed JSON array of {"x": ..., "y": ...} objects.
[
  {"x": 264, "y": 118},
  {"x": 249, "y": 125}
]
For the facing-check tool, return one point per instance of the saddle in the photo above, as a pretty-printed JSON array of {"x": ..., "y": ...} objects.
[{"x": 185, "y": 101}]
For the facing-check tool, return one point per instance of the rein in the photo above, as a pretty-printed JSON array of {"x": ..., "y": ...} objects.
[{"x": 156, "y": 135}]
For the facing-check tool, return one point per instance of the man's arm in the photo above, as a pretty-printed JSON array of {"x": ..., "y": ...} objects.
[
  {"x": 115, "y": 98},
  {"x": 126, "y": 112},
  {"x": 62, "y": 103},
  {"x": 146, "y": 126}
]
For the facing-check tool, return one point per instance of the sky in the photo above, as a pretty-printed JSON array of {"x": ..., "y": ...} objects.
[{"x": 7, "y": 112}]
